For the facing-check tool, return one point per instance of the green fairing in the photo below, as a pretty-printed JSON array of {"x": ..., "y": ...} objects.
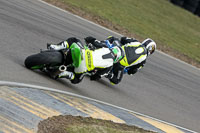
[
  {"x": 37, "y": 67},
  {"x": 76, "y": 54}
]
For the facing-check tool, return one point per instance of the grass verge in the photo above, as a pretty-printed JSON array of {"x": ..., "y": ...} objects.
[
  {"x": 78, "y": 124},
  {"x": 176, "y": 31}
]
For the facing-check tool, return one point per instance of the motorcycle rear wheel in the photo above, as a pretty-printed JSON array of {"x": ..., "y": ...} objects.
[{"x": 45, "y": 58}]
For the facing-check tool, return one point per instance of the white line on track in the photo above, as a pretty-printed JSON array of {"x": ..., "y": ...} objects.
[{"x": 15, "y": 84}]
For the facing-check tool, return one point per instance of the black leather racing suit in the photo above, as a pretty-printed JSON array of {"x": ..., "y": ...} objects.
[{"x": 135, "y": 57}]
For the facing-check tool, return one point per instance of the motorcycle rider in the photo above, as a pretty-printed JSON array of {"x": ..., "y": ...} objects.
[
  {"x": 99, "y": 61},
  {"x": 135, "y": 57}
]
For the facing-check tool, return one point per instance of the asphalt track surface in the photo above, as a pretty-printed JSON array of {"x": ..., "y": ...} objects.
[{"x": 166, "y": 89}]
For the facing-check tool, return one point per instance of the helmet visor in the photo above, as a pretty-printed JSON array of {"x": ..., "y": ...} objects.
[{"x": 151, "y": 49}]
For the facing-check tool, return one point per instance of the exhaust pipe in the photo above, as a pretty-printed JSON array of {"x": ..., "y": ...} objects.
[{"x": 62, "y": 68}]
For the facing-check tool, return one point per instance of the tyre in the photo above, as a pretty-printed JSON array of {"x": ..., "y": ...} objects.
[
  {"x": 191, "y": 5},
  {"x": 50, "y": 58},
  {"x": 197, "y": 12},
  {"x": 178, "y": 2}
]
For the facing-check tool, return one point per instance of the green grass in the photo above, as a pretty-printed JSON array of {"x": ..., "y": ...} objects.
[
  {"x": 166, "y": 23},
  {"x": 79, "y": 124},
  {"x": 97, "y": 129}
]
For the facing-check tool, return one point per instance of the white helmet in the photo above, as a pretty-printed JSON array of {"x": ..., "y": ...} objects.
[
  {"x": 150, "y": 45},
  {"x": 118, "y": 52}
]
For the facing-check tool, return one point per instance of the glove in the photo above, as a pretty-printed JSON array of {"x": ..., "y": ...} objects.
[
  {"x": 111, "y": 39},
  {"x": 123, "y": 40},
  {"x": 89, "y": 39}
]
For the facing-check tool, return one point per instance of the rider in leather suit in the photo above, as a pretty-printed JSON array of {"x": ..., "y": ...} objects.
[{"x": 135, "y": 57}]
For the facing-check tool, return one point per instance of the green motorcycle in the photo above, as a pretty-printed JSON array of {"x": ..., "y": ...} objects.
[{"x": 55, "y": 61}]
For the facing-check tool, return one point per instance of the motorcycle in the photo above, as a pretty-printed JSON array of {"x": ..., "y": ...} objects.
[{"x": 54, "y": 62}]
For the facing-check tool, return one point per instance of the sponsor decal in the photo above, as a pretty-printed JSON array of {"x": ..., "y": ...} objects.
[
  {"x": 119, "y": 73},
  {"x": 89, "y": 59}
]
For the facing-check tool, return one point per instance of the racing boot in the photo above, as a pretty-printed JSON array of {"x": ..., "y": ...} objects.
[
  {"x": 59, "y": 46},
  {"x": 67, "y": 74}
]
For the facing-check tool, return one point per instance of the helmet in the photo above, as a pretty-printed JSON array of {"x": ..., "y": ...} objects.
[
  {"x": 150, "y": 45},
  {"x": 118, "y": 52}
]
